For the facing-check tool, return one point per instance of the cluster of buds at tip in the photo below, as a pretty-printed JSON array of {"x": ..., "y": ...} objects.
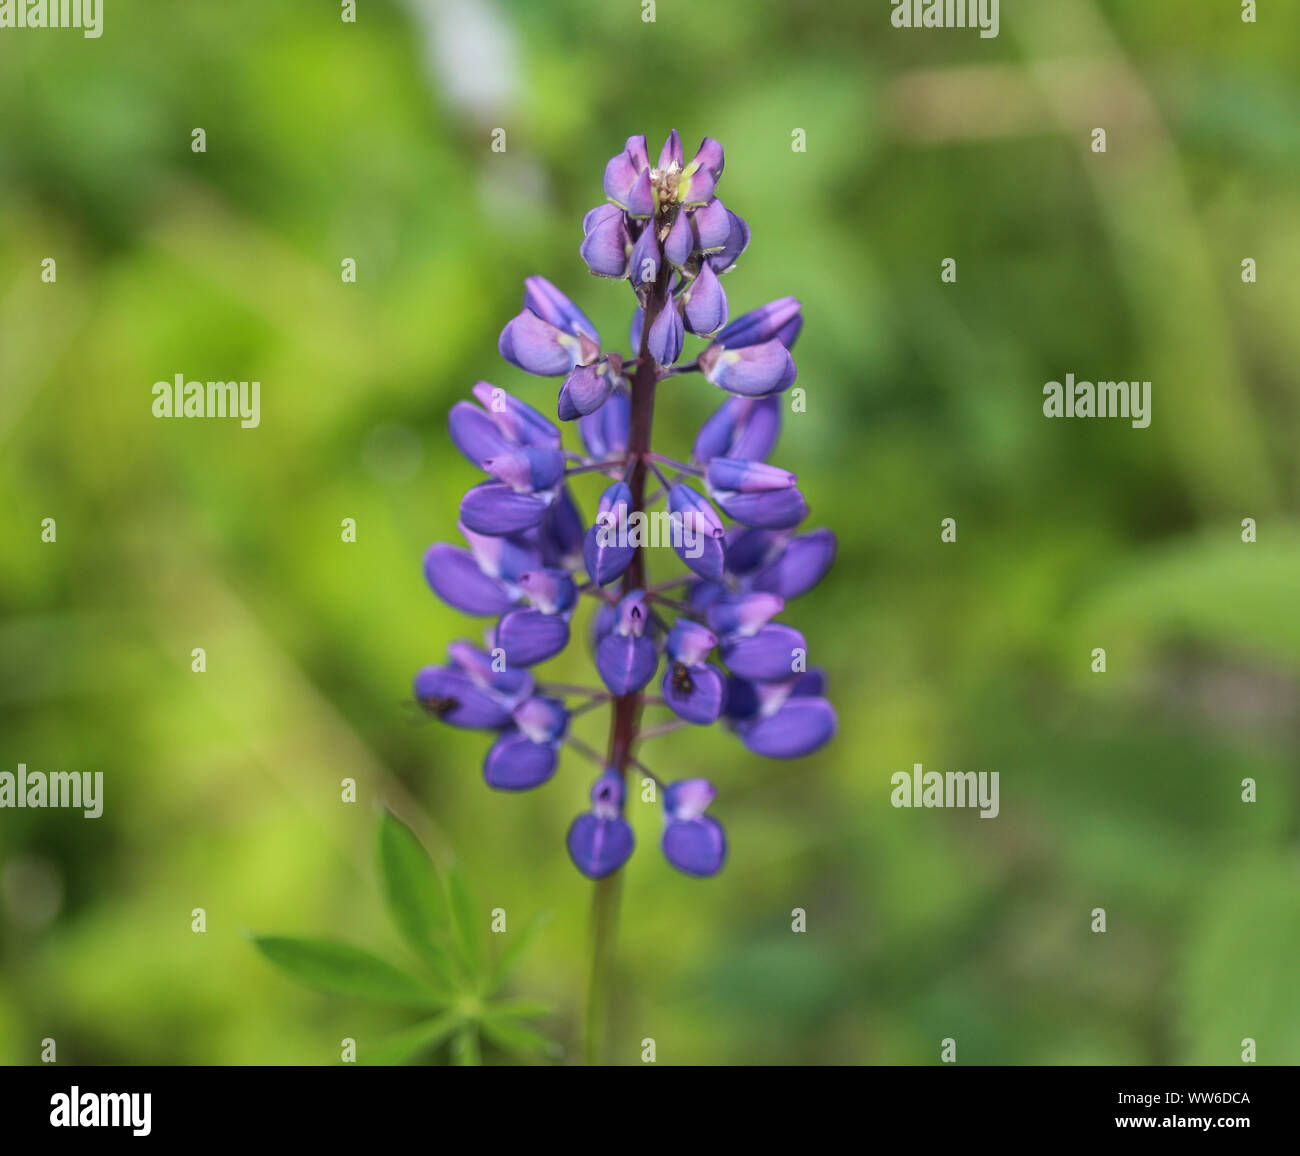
[{"x": 530, "y": 557}]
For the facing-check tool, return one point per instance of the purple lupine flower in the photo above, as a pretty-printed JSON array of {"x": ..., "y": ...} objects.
[{"x": 531, "y": 559}]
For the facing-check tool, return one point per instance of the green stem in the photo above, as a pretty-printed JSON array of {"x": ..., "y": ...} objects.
[{"x": 604, "y": 932}]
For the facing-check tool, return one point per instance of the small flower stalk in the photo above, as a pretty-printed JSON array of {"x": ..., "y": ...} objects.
[{"x": 701, "y": 647}]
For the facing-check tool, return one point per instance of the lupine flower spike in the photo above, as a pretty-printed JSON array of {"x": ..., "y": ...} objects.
[{"x": 715, "y": 652}]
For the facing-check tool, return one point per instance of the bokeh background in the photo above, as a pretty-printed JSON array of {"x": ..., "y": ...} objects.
[{"x": 328, "y": 140}]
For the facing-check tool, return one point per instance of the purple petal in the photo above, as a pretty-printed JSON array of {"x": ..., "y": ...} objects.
[
  {"x": 516, "y": 419},
  {"x": 688, "y": 798},
  {"x": 529, "y": 636},
  {"x": 741, "y": 427},
  {"x": 671, "y": 153},
  {"x": 537, "y": 346},
  {"x": 689, "y": 642},
  {"x": 711, "y": 225},
  {"x": 596, "y": 217},
  {"x": 631, "y": 617},
  {"x": 456, "y": 700},
  {"x": 551, "y": 305},
  {"x": 561, "y": 532},
  {"x": 736, "y": 474},
  {"x": 455, "y": 577},
  {"x": 696, "y": 846},
  {"x": 694, "y": 693},
  {"x": 753, "y": 371},
  {"x": 695, "y": 186},
  {"x": 666, "y": 335},
  {"x": 634, "y": 329},
  {"x": 702, "y": 549},
  {"x": 748, "y": 550},
  {"x": 599, "y": 847},
  {"x": 626, "y": 663},
  {"x": 767, "y": 655},
  {"x": 603, "y": 555},
  {"x": 641, "y": 197},
  {"x": 475, "y": 434},
  {"x": 542, "y": 720},
  {"x": 798, "y": 728},
  {"x": 584, "y": 391},
  {"x": 605, "y": 432},
  {"x": 494, "y": 509},
  {"x": 800, "y": 566},
  {"x": 705, "y": 308},
  {"x": 643, "y": 264},
  {"x": 515, "y": 763},
  {"x": 680, "y": 240},
  {"x": 736, "y": 615},
  {"x": 550, "y": 591},
  {"x": 500, "y": 557},
  {"x": 765, "y": 510},
  {"x": 737, "y": 242},
  {"x": 709, "y": 156},
  {"x": 779, "y": 320},
  {"x": 528, "y": 469},
  {"x": 605, "y": 247}
]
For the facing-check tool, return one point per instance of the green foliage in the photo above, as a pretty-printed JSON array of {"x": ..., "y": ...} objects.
[{"x": 429, "y": 912}]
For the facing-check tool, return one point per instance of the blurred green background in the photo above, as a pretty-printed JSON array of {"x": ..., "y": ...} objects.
[{"x": 328, "y": 140}]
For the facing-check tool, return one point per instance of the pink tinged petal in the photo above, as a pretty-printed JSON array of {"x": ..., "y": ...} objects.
[
  {"x": 515, "y": 764},
  {"x": 799, "y": 568},
  {"x": 495, "y": 509},
  {"x": 688, "y": 798},
  {"x": 632, "y": 616},
  {"x": 452, "y": 697},
  {"x": 737, "y": 242},
  {"x": 737, "y": 474},
  {"x": 643, "y": 264},
  {"x": 499, "y": 557},
  {"x": 474, "y": 433},
  {"x": 779, "y": 320},
  {"x": 599, "y": 847},
  {"x": 510, "y": 687},
  {"x": 550, "y": 591},
  {"x": 605, "y": 433},
  {"x": 454, "y": 576},
  {"x": 753, "y": 371},
  {"x": 680, "y": 240},
  {"x": 584, "y": 391},
  {"x": 542, "y": 720},
  {"x": 529, "y": 636},
  {"x": 694, "y": 693},
  {"x": 625, "y": 662},
  {"x": 671, "y": 153},
  {"x": 605, "y": 249},
  {"x": 711, "y": 226},
  {"x": 800, "y": 727},
  {"x": 666, "y": 335},
  {"x": 741, "y": 615},
  {"x": 767, "y": 655},
  {"x": 517, "y": 420},
  {"x": 554, "y": 307},
  {"x": 527, "y": 470},
  {"x": 689, "y": 642},
  {"x": 705, "y": 309},
  {"x": 765, "y": 510},
  {"x": 695, "y": 846},
  {"x": 701, "y": 547},
  {"x": 536, "y": 346}
]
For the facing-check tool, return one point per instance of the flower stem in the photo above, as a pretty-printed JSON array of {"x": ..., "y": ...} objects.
[{"x": 604, "y": 929}]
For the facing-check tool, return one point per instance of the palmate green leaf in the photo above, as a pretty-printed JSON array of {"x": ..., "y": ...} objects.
[
  {"x": 465, "y": 921},
  {"x": 516, "y": 945},
  {"x": 517, "y": 1038},
  {"x": 341, "y": 969},
  {"x": 413, "y": 893},
  {"x": 413, "y": 1042}
]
